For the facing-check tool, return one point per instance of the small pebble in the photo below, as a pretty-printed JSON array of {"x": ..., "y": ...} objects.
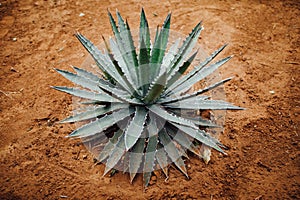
[
  {"x": 272, "y": 92},
  {"x": 13, "y": 69},
  {"x": 81, "y": 14},
  {"x": 14, "y": 39}
]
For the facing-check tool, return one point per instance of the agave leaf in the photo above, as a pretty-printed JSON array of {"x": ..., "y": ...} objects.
[
  {"x": 162, "y": 159},
  {"x": 173, "y": 98},
  {"x": 145, "y": 32},
  {"x": 92, "y": 102},
  {"x": 114, "y": 26},
  {"x": 102, "y": 124},
  {"x": 159, "y": 48},
  {"x": 95, "y": 142},
  {"x": 181, "y": 69},
  {"x": 127, "y": 49},
  {"x": 194, "y": 94},
  {"x": 127, "y": 41},
  {"x": 196, "y": 119},
  {"x": 200, "y": 135},
  {"x": 95, "y": 112},
  {"x": 86, "y": 74},
  {"x": 136, "y": 157},
  {"x": 170, "y": 56},
  {"x": 79, "y": 80},
  {"x": 125, "y": 162},
  {"x": 171, "y": 117},
  {"x": 136, "y": 126},
  {"x": 156, "y": 89},
  {"x": 101, "y": 97},
  {"x": 117, "y": 54},
  {"x": 183, "y": 140},
  {"x": 161, "y": 42},
  {"x": 202, "y": 122},
  {"x": 115, "y": 155},
  {"x": 94, "y": 52},
  {"x": 106, "y": 84},
  {"x": 121, "y": 23},
  {"x": 184, "y": 50},
  {"x": 104, "y": 64},
  {"x": 182, "y": 150},
  {"x": 110, "y": 145},
  {"x": 172, "y": 151},
  {"x": 106, "y": 45},
  {"x": 109, "y": 56},
  {"x": 194, "y": 71},
  {"x": 200, "y": 75},
  {"x": 202, "y": 105},
  {"x": 131, "y": 46},
  {"x": 117, "y": 93},
  {"x": 150, "y": 152},
  {"x": 143, "y": 69},
  {"x": 155, "y": 38}
]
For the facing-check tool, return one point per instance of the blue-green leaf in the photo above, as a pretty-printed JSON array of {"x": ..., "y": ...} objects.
[
  {"x": 150, "y": 152},
  {"x": 183, "y": 140},
  {"x": 103, "y": 62},
  {"x": 200, "y": 121},
  {"x": 199, "y": 135},
  {"x": 113, "y": 25},
  {"x": 166, "y": 64},
  {"x": 117, "y": 92},
  {"x": 136, "y": 157},
  {"x": 159, "y": 48},
  {"x": 79, "y": 80},
  {"x": 172, "y": 151},
  {"x": 115, "y": 155},
  {"x": 143, "y": 69},
  {"x": 162, "y": 159},
  {"x": 109, "y": 146},
  {"x": 102, "y": 124},
  {"x": 119, "y": 57},
  {"x": 184, "y": 51},
  {"x": 135, "y": 128},
  {"x": 200, "y": 75},
  {"x": 86, "y": 74},
  {"x": 171, "y": 117},
  {"x": 101, "y": 97},
  {"x": 194, "y": 71},
  {"x": 181, "y": 70},
  {"x": 156, "y": 89},
  {"x": 127, "y": 49},
  {"x": 145, "y": 32},
  {"x": 175, "y": 98},
  {"x": 202, "y": 105},
  {"x": 95, "y": 112}
]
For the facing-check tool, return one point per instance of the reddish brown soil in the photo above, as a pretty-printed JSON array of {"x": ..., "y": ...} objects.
[{"x": 38, "y": 162}]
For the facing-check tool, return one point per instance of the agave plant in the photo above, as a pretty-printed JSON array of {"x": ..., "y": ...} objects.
[{"x": 140, "y": 102}]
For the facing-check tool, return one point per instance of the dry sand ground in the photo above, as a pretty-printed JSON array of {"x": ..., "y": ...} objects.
[{"x": 37, "y": 162}]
